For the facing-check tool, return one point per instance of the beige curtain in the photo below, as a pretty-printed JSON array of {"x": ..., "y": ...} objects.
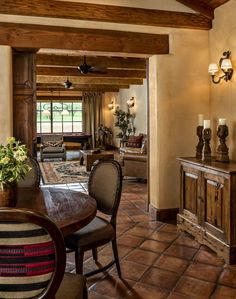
[{"x": 92, "y": 103}]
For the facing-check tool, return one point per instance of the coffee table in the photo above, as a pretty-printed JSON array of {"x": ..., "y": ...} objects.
[{"x": 90, "y": 157}]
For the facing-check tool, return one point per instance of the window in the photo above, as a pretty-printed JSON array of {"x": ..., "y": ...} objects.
[{"x": 59, "y": 116}]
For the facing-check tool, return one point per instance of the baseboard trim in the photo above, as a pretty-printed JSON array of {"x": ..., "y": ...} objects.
[{"x": 164, "y": 215}]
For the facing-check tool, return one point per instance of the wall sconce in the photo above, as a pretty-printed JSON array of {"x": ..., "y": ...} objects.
[
  {"x": 226, "y": 67},
  {"x": 130, "y": 102},
  {"x": 110, "y": 106}
]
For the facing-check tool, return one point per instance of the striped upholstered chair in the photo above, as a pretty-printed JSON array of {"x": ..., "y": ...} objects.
[{"x": 32, "y": 259}]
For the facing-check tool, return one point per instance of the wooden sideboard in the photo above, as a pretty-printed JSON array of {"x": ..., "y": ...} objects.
[{"x": 208, "y": 204}]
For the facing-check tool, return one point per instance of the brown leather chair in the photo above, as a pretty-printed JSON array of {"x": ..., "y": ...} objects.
[
  {"x": 105, "y": 184},
  {"x": 133, "y": 160},
  {"x": 32, "y": 261}
]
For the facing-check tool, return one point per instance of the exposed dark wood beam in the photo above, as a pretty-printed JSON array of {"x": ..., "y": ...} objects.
[
  {"x": 199, "y": 6},
  {"x": 51, "y": 88},
  {"x": 82, "y": 80},
  {"x": 62, "y": 71},
  {"x": 39, "y": 36},
  {"x": 105, "y": 13},
  {"x": 55, "y": 98},
  {"x": 109, "y": 62}
]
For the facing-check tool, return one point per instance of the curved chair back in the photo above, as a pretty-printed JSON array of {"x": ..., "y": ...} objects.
[
  {"x": 105, "y": 184},
  {"x": 32, "y": 255},
  {"x": 32, "y": 178}
]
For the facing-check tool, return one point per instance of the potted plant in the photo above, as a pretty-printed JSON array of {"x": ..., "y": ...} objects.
[
  {"x": 13, "y": 166},
  {"x": 124, "y": 121}
]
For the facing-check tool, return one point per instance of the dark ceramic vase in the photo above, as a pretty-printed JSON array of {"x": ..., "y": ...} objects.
[{"x": 8, "y": 195}]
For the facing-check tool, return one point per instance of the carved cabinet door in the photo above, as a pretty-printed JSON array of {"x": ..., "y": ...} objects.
[
  {"x": 217, "y": 205},
  {"x": 190, "y": 193}
]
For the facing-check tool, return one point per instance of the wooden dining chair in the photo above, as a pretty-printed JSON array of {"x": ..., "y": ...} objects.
[
  {"x": 32, "y": 178},
  {"x": 105, "y": 184},
  {"x": 32, "y": 259}
]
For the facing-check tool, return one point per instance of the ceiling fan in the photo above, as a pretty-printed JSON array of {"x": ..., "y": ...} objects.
[
  {"x": 85, "y": 68},
  {"x": 67, "y": 84}
]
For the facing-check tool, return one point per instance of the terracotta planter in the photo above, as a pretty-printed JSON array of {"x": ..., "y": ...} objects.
[{"x": 8, "y": 196}]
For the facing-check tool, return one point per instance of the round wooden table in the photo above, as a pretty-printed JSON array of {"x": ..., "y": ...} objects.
[{"x": 70, "y": 210}]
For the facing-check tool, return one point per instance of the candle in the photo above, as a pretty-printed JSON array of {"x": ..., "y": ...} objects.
[
  {"x": 200, "y": 119},
  {"x": 222, "y": 121},
  {"x": 206, "y": 124}
]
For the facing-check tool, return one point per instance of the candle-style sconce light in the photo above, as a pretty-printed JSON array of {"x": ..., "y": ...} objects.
[
  {"x": 225, "y": 66},
  {"x": 111, "y": 105},
  {"x": 130, "y": 102}
]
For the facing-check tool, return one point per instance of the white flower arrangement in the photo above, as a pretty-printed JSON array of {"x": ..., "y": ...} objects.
[{"x": 13, "y": 166}]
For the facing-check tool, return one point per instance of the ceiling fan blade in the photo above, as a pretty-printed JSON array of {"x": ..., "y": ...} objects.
[
  {"x": 85, "y": 68},
  {"x": 98, "y": 70}
]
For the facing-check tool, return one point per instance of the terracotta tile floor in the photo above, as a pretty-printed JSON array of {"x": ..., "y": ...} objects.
[{"x": 157, "y": 261}]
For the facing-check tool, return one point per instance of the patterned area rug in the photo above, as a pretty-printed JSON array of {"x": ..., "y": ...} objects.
[{"x": 63, "y": 172}]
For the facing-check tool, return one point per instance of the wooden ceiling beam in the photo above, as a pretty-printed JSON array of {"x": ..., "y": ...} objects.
[
  {"x": 56, "y": 98},
  {"x": 62, "y": 71},
  {"x": 105, "y": 13},
  {"x": 108, "y": 62},
  {"x": 82, "y": 80},
  {"x": 39, "y": 36},
  {"x": 50, "y": 89},
  {"x": 200, "y": 7}
]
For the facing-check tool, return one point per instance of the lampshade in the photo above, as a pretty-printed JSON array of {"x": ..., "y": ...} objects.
[
  {"x": 213, "y": 68},
  {"x": 130, "y": 102},
  {"x": 46, "y": 112},
  {"x": 110, "y": 106},
  {"x": 65, "y": 112},
  {"x": 226, "y": 64}
]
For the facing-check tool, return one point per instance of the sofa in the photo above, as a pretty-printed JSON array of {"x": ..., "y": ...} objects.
[{"x": 133, "y": 157}]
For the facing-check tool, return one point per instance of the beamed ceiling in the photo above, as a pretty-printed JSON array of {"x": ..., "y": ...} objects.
[{"x": 120, "y": 54}]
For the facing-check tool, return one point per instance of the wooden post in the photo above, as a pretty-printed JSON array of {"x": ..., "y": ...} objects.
[{"x": 24, "y": 97}]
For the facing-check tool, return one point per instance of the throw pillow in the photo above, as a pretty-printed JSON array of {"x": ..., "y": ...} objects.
[
  {"x": 53, "y": 143},
  {"x": 134, "y": 141}
]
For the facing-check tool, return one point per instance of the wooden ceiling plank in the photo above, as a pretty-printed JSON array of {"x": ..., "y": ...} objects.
[
  {"x": 82, "y": 80},
  {"x": 199, "y": 6},
  {"x": 39, "y": 36},
  {"x": 62, "y": 71},
  {"x": 105, "y": 13},
  {"x": 108, "y": 62}
]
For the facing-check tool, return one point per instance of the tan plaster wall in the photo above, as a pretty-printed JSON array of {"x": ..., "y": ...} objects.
[
  {"x": 223, "y": 95},
  {"x": 139, "y": 92},
  {"x": 6, "y": 122},
  {"x": 179, "y": 91}
]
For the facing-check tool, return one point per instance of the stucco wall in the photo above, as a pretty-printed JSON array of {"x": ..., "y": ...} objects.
[
  {"x": 139, "y": 92},
  {"x": 179, "y": 91},
  {"x": 6, "y": 129},
  {"x": 223, "y": 95}
]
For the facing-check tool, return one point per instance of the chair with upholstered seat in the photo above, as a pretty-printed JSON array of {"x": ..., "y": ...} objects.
[
  {"x": 52, "y": 147},
  {"x": 32, "y": 258},
  {"x": 32, "y": 178},
  {"x": 105, "y": 184}
]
